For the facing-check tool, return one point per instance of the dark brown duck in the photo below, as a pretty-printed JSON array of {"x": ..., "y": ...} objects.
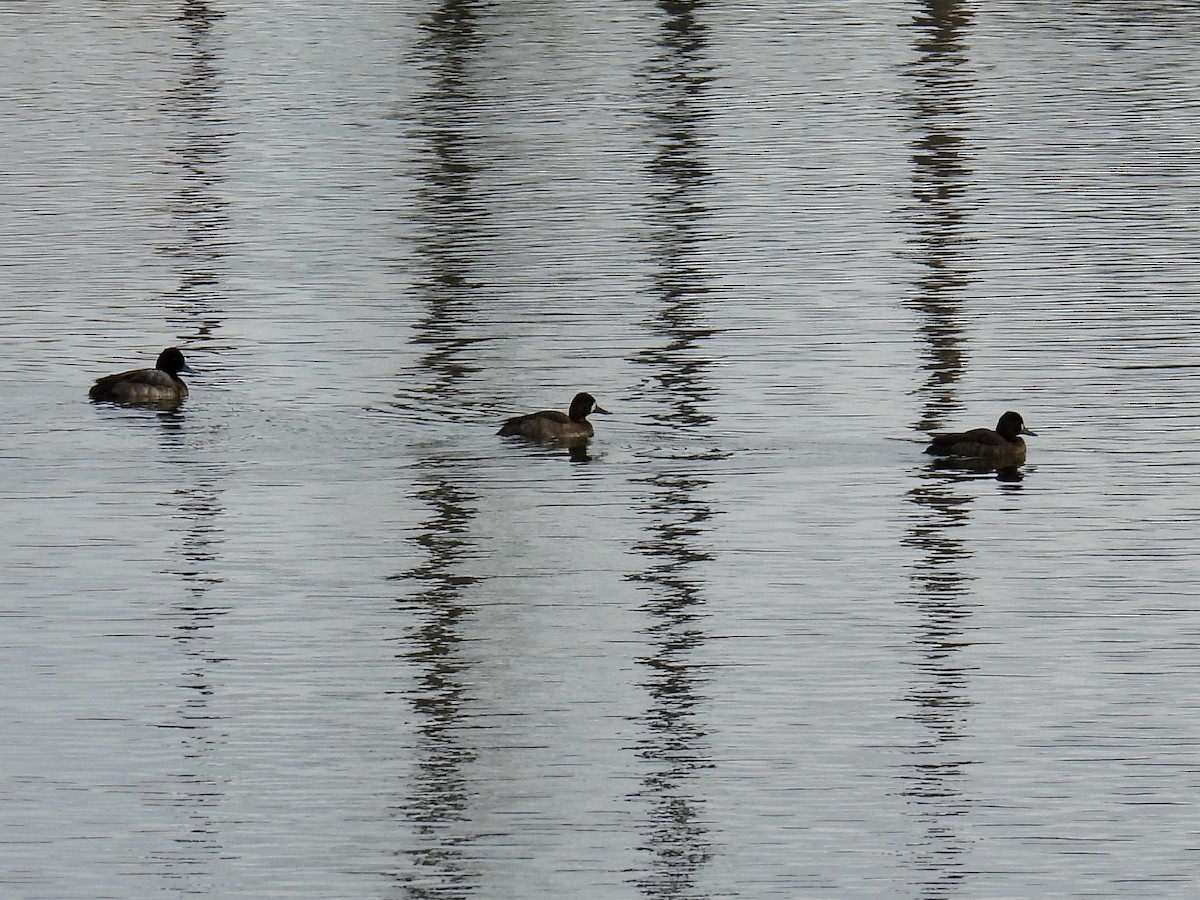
[
  {"x": 551, "y": 425},
  {"x": 1002, "y": 447},
  {"x": 158, "y": 386}
]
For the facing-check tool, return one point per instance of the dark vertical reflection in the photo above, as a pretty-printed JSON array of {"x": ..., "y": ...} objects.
[
  {"x": 195, "y": 156},
  {"x": 193, "y": 620},
  {"x": 939, "y": 90},
  {"x": 449, "y": 214},
  {"x": 674, "y": 740},
  {"x": 437, "y": 807},
  {"x": 675, "y": 82},
  {"x": 199, "y": 150},
  {"x": 675, "y": 516},
  {"x": 450, "y": 211}
]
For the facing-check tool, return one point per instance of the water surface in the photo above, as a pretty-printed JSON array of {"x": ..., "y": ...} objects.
[{"x": 321, "y": 633}]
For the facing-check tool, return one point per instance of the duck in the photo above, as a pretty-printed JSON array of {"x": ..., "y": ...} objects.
[
  {"x": 551, "y": 425},
  {"x": 1002, "y": 447},
  {"x": 159, "y": 386}
]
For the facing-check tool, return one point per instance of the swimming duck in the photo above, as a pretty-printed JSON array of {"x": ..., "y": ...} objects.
[
  {"x": 1002, "y": 447},
  {"x": 551, "y": 425},
  {"x": 158, "y": 386}
]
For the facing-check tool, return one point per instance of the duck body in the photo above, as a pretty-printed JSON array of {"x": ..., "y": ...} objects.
[
  {"x": 159, "y": 386},
  {"x": 552, "y": 425},
  {"x": 1001, "y": 447}
]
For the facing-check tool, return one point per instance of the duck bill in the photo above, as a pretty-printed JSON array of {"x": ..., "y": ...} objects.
[
  {"x": 1025, "y": 430},
  {"x": 597, "y": 409}
]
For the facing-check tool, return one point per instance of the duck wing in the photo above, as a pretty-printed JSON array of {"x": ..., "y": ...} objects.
[
  {"x": 134, "y": 378},
  {"x": 522, "y": 424},
  {"x": 947, "y": 444}
]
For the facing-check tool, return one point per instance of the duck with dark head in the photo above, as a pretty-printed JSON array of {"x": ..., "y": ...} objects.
[
  {"x": 160, "y": 386},
  {"x": 552, "y": 425},
  {"x": 1002, "y": 447}
]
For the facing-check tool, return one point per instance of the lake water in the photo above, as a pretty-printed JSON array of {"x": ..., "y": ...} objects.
[{"x": 321, "y": 633}]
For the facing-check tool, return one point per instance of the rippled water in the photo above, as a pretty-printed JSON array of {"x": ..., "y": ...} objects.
[{"x": 321, "y": 633}]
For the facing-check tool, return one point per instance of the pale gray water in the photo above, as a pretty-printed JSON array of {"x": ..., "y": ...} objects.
[{"x": 321, "y": 633}]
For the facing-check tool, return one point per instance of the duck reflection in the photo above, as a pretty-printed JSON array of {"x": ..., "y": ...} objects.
[
  {"x": 939, "y": 92},
  {"x": 977, "y": 468},
  {"x": 675, "y": 517}
]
